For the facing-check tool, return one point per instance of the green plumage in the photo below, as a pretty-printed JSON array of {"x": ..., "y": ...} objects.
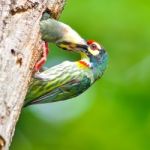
[
  {"x": 60, "y": 82},
  {"x": 65, "y": 81},
  {"x": 68, "y": 79}
]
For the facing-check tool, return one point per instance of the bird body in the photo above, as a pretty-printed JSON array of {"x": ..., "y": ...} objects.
[
  {"x": 60, "y": 82},
  {"x": 68, "y": 79}
]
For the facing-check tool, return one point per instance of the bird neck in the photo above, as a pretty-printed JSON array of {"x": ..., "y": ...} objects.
[
  {"x": 99, "y": 64},
  {"x": 84, "y": 62},
  {"x": 96, "y": 64}
]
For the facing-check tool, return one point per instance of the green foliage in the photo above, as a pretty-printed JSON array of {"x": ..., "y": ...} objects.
[{"x": 114, "y": 114}]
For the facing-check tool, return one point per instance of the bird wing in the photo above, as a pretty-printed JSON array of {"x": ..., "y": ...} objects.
[
  {"x": 63, "y": 92},
  {"x": 45, "y": 83}
]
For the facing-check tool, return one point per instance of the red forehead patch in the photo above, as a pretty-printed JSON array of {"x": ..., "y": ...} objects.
[{"x": 89, "y": 42}]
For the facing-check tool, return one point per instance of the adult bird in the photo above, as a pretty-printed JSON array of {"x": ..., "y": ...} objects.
[{"x": 69, "y": 79}]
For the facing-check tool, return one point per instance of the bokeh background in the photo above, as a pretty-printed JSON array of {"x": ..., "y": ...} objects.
[{"x": 114, "y": 114}]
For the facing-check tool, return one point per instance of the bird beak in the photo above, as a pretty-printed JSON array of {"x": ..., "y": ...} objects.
[
  {"x": 82, "y": 48},
  {"x": 73, "y": 46}
]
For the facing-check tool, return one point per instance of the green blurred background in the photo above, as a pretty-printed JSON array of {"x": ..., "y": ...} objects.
[{"x": 114, "y": 114}]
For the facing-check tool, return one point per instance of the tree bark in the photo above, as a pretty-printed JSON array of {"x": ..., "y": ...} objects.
[{"x": 19, "y": 50}]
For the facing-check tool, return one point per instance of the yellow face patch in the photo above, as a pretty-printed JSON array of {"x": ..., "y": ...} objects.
[{"x": 93, "y": 52}]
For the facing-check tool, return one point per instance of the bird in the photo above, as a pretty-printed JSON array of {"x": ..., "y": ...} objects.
[
  {"x": 59, "y": 33},
  {"x": 69, "y": 78}
]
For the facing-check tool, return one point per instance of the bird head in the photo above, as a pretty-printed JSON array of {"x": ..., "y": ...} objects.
[
  {"x": 89, "y": 50},
  {"x": 94, "y": 54},
  {"x": 89, "y": 47}
]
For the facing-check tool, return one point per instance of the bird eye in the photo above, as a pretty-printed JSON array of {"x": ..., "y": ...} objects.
[{"x": 93, "y": 46}]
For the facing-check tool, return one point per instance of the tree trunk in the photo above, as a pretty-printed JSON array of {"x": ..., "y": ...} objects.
[{"x": 19, "y": 50}]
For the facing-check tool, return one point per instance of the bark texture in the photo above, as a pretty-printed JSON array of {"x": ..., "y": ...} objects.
[{"x": 19, "y": 50}]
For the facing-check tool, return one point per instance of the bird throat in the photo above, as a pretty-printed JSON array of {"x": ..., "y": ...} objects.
[{"x": 84, "y": 62}]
